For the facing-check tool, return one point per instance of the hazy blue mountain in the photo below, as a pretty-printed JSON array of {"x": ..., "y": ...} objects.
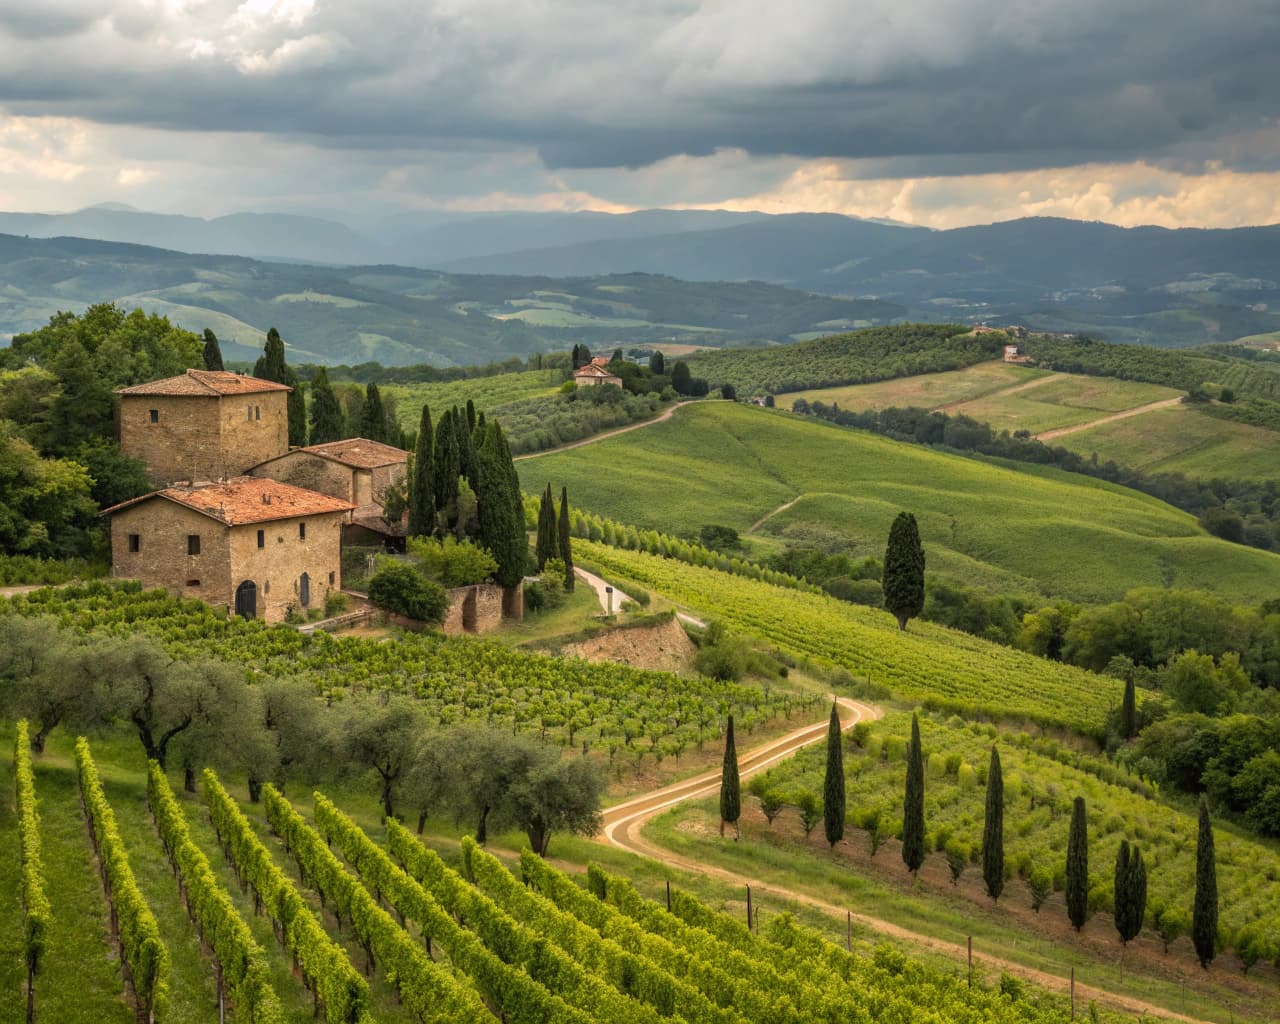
[{"x": 398, "y": 315}]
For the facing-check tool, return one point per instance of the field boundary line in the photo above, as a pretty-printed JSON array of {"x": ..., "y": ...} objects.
[
  {"x": 1164, "y": 403},
  {"x": 661, "y": 417},
  {"x": 1025, "y": 385}
]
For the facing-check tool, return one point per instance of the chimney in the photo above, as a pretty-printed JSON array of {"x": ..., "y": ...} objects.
[{"x": 266, "y": 499}]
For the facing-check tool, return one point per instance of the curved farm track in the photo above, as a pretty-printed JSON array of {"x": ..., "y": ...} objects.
[
  {"x": 624, "y": 823},
  {"x": 1165, "y": 403},
  {"x": 607, "y": 434}
]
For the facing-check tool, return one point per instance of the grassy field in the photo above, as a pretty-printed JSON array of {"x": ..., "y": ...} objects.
[
  {"x": 927, "y": 390},
  {"x": 1062, "y": 401},
  {"x": 1038, "y": 531},
  {"x": 488, "y": 393},
  {"x": 1183, "y": 440}
]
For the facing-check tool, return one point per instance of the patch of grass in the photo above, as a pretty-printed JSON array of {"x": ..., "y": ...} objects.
[
  {"x": 488, "y": 393},
  {"x": 926, "y": 390},
  {"x": 1063, "y": 402},
  {"x": 1027, "y": 527},
  {"x": 539, "y": 628}
]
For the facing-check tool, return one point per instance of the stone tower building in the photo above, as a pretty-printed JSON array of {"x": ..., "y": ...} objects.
[{"x": 204, "y": 424}]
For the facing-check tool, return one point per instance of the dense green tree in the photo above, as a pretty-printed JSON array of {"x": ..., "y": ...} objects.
[
  {"x": 500, "y": 507},
  {"x": 548, "y": 539},
  {"x": 833, "y": 798},
  {"x": 1129, "y": 710},
  {"x": 46, "y": 675},
  {"x": 422, "y": 497},
  {"x": 730, "y": 785},
  {"x": 116, "y": 477},
  {"x": 468, "y": 466},
  {"x": 46, "y": 508},
  {"x": 657, "y": 364},
  {"x": 382, "y": 738},
  {"x": 327, "y": 421},
  {"x": 555, "y": 795},
  {"x": 1130, "y": 892},
  {"x": 993, "y": 829},
  {"x": 566, "y": 541},
  {"x": 271, "y": 365},
  {"x": 1204, "y": 912},
  {"x": 682, "y": 378},
  {"x": 1078, "y": 866},
  {"x": 903, "y": 579},
  {"x": 212, "y": 351},
  {"x": 400, "y": 588},
  {"x": 373, "y": 417},
  {"x": 913, "y": 844},
  {"x": 446, "y": 466}
]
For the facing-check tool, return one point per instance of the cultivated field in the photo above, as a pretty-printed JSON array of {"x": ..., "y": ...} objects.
[
  {"x": 1024, "y": 529},
  {"x": 926, "y": 390},
  {"x": 488, "y": 393}
]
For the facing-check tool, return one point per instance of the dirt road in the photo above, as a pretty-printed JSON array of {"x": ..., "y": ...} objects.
[
  {"x": 777, "y": 511},
  {"x": 599, "y": 585},
  {"x": 1026, "y": 385},
  {"x": 1166, "y": 403},
  {"x": 624, "y": 822},
  {"x": 608, "y": 433}
]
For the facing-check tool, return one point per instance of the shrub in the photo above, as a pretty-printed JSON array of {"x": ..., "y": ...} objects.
[
  {"x": 1041, "y": 884},
  {"x": 450, "y": 562},
  {"x": 400, "y": 588},
  {"x": 335, "y": 603}
]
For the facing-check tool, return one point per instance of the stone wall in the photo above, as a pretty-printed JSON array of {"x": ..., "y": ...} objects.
[
  {"x": 379, "y": 479},
  {"x": 303, "y": 469},
  {"x": 475, "y": 609},
  {"x": 277, "y": 567},
  {"x": 255, "y": 428},
  {"x": 162, "y": 560}
]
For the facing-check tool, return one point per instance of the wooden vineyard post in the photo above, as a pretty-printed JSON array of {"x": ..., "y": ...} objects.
[
  {"x": 971, "y": 961},
  {"x": 668, "y": 895},
  {"x": 848, "y": 930},
  {"x": 1073, "y": 993},
  {"x": 748, "y": 908}
]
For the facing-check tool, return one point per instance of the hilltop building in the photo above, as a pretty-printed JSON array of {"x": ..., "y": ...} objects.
[
  {"x": 1012, "y": 354},
  {"x": 203, "y": 424},
  {"x": 254, "y": 546},
  {"x": 596, "y": 373}
]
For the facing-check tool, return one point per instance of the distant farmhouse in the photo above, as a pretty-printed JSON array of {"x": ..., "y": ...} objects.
[
  {"x": 241, "y": 521},
  {"x": 596, "y": 373}
]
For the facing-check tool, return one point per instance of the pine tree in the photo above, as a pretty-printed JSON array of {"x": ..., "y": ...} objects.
[
  {"x": 1078, "y": 866},
  {"x": 212, "y": 351},
  {"x": 422, "y": 499},
  {"x": 730, "y": 787},
  {"x": 566, "y": 541},
  {"x": 548, "y": 537},
  {"x": 500, "y": 508},
  {"x": 993, "y": 829},
  {"x": 1129, "y": 710},
  {"x": 833, "y": 800},
  {"x": 446, "y": 465},
  {"x": 1204, "y": 915},
  {"x": 913, "y": 805},
  {"x": 903, "y": 574},
  {"x": 327, "y": 422}
]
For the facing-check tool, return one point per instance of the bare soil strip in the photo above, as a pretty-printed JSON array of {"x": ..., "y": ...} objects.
[
  {"x": 1166, "y": 403},
  {"x": 1026, "y": 385}
]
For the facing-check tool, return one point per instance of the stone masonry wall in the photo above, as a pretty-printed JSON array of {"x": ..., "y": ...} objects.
[
  {"x": 302, "y": 469},
  {"x": 277, "y": 567},
  {"x": 162, "y": 560},
  {"x": 184, "y": 443},
  {"x": 479, "y": 607},
  {"x": 248, "y": 440}
]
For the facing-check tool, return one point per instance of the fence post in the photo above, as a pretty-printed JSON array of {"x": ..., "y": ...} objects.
[
  {"x": 971, "y": 961},
  {"x": 748, "y": 908}
]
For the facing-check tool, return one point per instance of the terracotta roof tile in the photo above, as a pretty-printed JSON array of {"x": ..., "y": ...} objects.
[
  {"x": 244, "y": 500},
  {"x": 359, "y": 452},
  {"x": 591, "y": 370},
  {"x": 205, "y": 383}
]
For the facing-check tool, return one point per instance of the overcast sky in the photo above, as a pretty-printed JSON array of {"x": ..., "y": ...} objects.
[{"x": 938, "y": 112}]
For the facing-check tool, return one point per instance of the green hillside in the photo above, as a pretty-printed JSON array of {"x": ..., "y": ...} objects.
[{"x": 1035, "y": 531}]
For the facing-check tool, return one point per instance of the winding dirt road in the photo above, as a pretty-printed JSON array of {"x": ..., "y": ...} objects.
[
  {"x": 623, "y": 824},
  {"x": 1165, "y": 403},
  {"x": 599, "y": 585},
  {"x": 608, "y": 433}
]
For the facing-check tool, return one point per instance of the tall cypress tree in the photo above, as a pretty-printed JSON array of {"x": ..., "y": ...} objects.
[
  {"x": 1204, "y": 914},
  {"x": 446, "y": 465},
  {"x": 993, "y": 829},
  {"x": 271, "y": 366},
  {"x": 657, "y": 364},
  {"x": 548, "y": 538},
  {"x": 1130, "y": 891},
  {"x": 373, "y": 418},
  {"x": 903, "y": 574},
  {"x": 913, "y": 805},
  {"x": 500, "y": 508},
  {"x": 327, "y": 422},
  {"x": 1120, "y": 900},
  {"x": 1129, "y": 710},
  {"x": 833, "y": 801},
  {"x": 730, "y": 787},
  {"x": 1078, "y": 866},
  {"x": 422, "y": 498},
  {"x": 471, "y": 416},
  {"x": 462, "y": 433},
  {"x": 212, "y": 351},
  {"x": 566, "y": 540},
  {"x": 1137, "y": 891}
]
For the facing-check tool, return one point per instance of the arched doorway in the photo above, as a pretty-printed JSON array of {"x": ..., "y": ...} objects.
[
  {"x": 304, "y": 590},
  {"x": 247, "y": 600}
]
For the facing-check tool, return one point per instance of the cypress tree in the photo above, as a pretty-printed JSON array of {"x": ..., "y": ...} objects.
[
  {"x": 326, "y": 411},
  {"x": 500, "y": 508},
  {"x": 833, "y": 801},
  {"x": 566, "y": 541},
  {"x": 471, "y": 416},
  {"x": 913, "y": 806},
  {"x": 1204, "y": 915},
  {"x": 903, "y": 574},
  {"x": 422, "y": 499},
  {"x": 548, "y": 536},
  {"x": 446, "y": 464},
  {"x": 657, "y": 364},
  {"x": 373, "y": 418},
  {"x": 1121, "y": 907},
  {"x": 1078, "y": 866},
  {"x": 1137, "y": 891},
  {"x": 463, "y": 435},
  {"x": 730, "y": 788},
  {"x": 993, "y": 829},
  {"x": 271, "y": 366},
  {"x": 212, "y": 351},
  {"x": 1130, "y": 892},
  {"x": 1129, "y": 710}
]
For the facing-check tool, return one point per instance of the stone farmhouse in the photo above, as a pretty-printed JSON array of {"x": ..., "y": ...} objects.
[
  {"x": 596, "y": 373},
  {"x": 241, "y": 521},
  {"x": 252, "y": 545}
]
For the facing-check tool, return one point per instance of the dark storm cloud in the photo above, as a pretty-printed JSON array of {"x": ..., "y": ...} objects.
[{"x": 938, "y": 86}]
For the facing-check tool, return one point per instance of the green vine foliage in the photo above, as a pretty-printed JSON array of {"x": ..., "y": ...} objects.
[
  {"x": 36, "y": 914},
  {"x": 326, "y": 969},
  {"x": 143, "y": 950},
  {"x": 241, "y": 961}
]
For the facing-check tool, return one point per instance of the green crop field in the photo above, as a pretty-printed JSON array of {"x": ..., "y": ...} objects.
[
  {"x": 927, "y": 390},
  {"x": 1063, "y": 401},
  {"x": 488, "y": 393},
  {"x": 1037, "y": 530},
  {"x": 1183, "y": 439}
]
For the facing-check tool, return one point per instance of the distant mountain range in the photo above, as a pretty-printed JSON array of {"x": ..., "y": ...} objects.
[{"x": 1154, "y": 285}]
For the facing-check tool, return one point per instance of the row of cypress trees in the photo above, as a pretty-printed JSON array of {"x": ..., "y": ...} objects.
[
  {"x": 1130, "y": 899},
  {"x": 554, "y": 536}
]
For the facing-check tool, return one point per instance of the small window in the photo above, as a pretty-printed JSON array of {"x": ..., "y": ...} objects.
[
  {"x": 331, "y": 578},
  {"x": 262, "y": 538},
  {"x": 135, "y": 542},
  {"x": 257, "y": 412},
  {"x": 154, "y": 415},
  {"x": 193, "y": 583},
  {"x": 193, "y": 543},
  {"x": 302, "y": 531},
  {"x": 249, "y": 409}
]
